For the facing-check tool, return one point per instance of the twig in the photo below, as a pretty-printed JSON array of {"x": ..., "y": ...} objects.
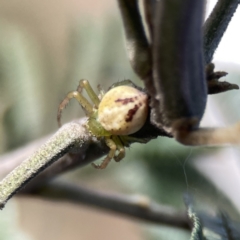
[
  {"x": 75, "y": 140},
  {"x": 135, "y": 206},
  {"x": 69, "y": 161},
  {"x": 136, "y": 41},
  {"x": 71, "y": 136},
  {"x": 11, "y": 160},
  {"x": 216, "y": 25}
]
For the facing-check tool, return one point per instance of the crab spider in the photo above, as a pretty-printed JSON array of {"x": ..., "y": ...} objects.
[{"x": 121, "y": 111}]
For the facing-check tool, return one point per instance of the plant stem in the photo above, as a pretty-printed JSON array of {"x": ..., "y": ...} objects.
[{"x": 216, "y": 25}]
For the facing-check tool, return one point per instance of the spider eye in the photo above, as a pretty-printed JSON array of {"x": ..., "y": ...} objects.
[{"x": 123, "y": 110}]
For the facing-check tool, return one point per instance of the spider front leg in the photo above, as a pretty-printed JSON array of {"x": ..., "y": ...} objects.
[
  {"x": 86, "y": 105},
  {"x": 84, "y": 84},
  {"x": 80, "y": 98}
]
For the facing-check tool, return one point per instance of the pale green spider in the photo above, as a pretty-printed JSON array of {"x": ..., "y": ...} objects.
[{"x": 120, "y": 112}]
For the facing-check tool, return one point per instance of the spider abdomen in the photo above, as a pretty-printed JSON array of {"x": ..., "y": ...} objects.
[{"x": 123, "y": 110}]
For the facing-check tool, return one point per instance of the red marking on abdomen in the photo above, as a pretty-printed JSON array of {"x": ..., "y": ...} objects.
[
  {"x": 125, "y": 101},
  {"x": 131, "y": 113}
]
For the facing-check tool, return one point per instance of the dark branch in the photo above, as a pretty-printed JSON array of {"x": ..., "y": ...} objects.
[
  {"x": 178, "y": 71},
  {"x": 136, "y": 40},
  {"x": 216, "y": 25},
  {"x": 135, "y": 206}
]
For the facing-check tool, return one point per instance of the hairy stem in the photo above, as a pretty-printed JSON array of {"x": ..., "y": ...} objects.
[
  {"x": 216, "y": 25},
  {"x": 72, "y": 135},
  {"x": 74, "y": 139}
]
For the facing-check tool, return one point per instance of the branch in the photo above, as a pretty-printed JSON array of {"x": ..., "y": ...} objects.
[
  {"x": 135, "y": 206},
  {"x": 75, "y": 140},
  {"x": 136, "y": 41},
  {"x": 178, "y": 72},
  {"x": 72, "y": 136},
  {"x": 176, "y": 24},
  {"x": 216, "y": 25},
  {"x": 11, "y": 160}
]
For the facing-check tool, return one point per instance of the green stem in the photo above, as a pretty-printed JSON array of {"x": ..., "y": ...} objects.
[{"x": 72, "y": 135}]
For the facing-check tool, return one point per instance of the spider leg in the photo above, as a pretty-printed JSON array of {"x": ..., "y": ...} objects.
[
  {"x": 185, "y": 133},
  {"x": 86, "y": 105},
  {"x": 111, "y": 144},
  {"x": 101, "y": 92},
  {"x": 120, "y": 148},
  {"x": 92, "y": 95}
]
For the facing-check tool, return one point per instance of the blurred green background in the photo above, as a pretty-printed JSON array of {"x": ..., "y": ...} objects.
[{"x": 46, "y": 47}]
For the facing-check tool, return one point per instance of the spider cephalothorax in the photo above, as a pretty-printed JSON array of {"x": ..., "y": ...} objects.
[{"x": 120, "y": 112}]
